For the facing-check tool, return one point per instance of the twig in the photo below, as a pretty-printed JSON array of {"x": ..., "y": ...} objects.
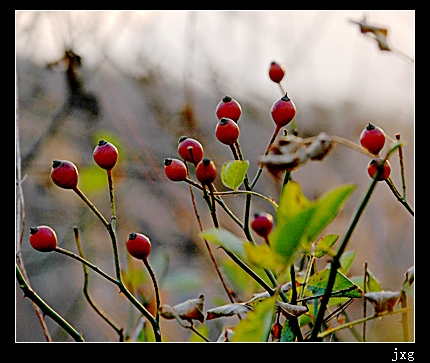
[
  {"x": 365, "y": 282},
  {"x": 402, "y": 168},
  {"x": 156, "y": 289},
  {"x": 120, "y": 331},
  {"x": 335, "y": 264},
  {"x": 212, "y": 257},
  {"x": 360, "y": 321},
  {"x": 47, "y": 310}
]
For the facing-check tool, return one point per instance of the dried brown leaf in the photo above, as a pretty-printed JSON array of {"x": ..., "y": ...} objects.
[
  {"x": 191, "y": 309},
  {"x": 383, "y": 300},
  {"x": 290, "y": 310}
]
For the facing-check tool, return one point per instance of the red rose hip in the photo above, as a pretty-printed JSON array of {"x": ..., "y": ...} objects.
[
  {"x": 227, "y": 131},
  {"x": 206, "y": 171},
  {"x": 105, "y": 155},
  {"x": 276, "y": 72},
  {"x": 175, "y": 169},
  {"x": 262, "y": 224},
  {"x": 228, "y": 107},
  {"x": 283, "y": 111},
  {"x": 372, "y": 138},
  {"x": 64, "y": 174},
  {"x": 43, "y": 238},
  {"x": 190, "y": 149},
  {"x": 138, "y": 245},
  {"x": 373, "y": 166}
]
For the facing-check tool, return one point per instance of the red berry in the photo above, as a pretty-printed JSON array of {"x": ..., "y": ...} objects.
[
  {"x": 262, "y": 224},
  {"x": 227, "y": 131},
  {"x": 105, "y": 155},
  {"x": 276, "y": 330},
  {"x": 190, "y": 150},
  {"x": 228, "y": 107},
  {"x": 175, "y": 169},
  {"x": 283, "y": 111},
  {"x": 372, "y": 138},
  {"x": 64, "y": 174},
  {"x": 206, "y": 171},
  {"x": 43, "y": 238},
  {"x": 276, "y": 72},
  {"x": 373, "y": 166},
  {"x": 138, "y": 245}
]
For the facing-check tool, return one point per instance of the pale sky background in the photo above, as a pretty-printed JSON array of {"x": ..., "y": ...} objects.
[{"x": 326, "y": 56}]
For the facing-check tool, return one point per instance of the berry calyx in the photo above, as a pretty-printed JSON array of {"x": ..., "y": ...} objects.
[
  {"x": 190, "y": 150},
  {"x": 43, "y": 238},
  {"x": 227, "y": 131},
  {"x": 64, "y": 174},
  {"x": 283, "y": 111},
  {"x": 262, "y": 224},
  {"x": 175, "y": 169},
  {"x": 138, "y": 245},
  {"x": 276, "y": 72},
  {"x": 105, "y": 155},
  {"x": 206, "y": 171},
  {"x": 372, "y": 138},
  {"x": 373, "y": 166},
  {"x": 228, "y": 107}
]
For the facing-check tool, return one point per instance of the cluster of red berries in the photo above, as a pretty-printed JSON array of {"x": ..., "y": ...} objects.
[
  {"x": 190, "y": 150},
  {"x": 372, "y": 138},
  {"x": 65, "y": 175}
]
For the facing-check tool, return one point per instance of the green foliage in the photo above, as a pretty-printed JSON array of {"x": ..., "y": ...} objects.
[
  {"x": 299, "y": 222},
  {"x": 318, "y": 282},
  {"x": 233, "y": 173}
]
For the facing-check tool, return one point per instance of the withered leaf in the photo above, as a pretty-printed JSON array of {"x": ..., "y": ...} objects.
[
  {"x": 189, "y": 310},
  {"x": 320, "y": 147},
  {"x": 225, "y": 335},
  {"x": 264, "y": 295},
  {"x": 290, "y": 310},
  {"x": 227, "y": 310},
  {"x": 380, "y": 34},
  {"x": 383, "y": 300}
]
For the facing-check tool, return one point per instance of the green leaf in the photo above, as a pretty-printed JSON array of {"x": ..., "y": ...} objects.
[
  {"x": 291, "y": 202},
  {"x": 233, "y": 173},
  {"x": 226, "y": 240},
  {"x": 299, "y": 221},
  {"x": 93, "y": 179},
  {"x": 287, "y": 333},
  {"x": 286, "y": 237},
  {"x": 257, "y": 324},
  {"x": 324, "y": 245},
  {"x": 326, "y": 209},
  {"x": 346, "y": 261},
  {"x": 373, "y": 284},
  {"x": 263, "y": 256},
  {"x": 318, "y": 282}
]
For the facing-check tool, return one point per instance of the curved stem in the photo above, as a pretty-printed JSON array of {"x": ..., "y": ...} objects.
[
  {"x": 91, "y": 205},
  {"x": 260, "y": 168},
  {"x": 47, "y": 310},
  {"x": 87, "y": 263},
  {"x": 236, "y": 192},
  {"x": 112, "y": 198},
  {"x": 398, "y": 196},
  {"x": 208, "y": 247},
  {"x": 120, "y": 331},
  {"x": 362, "y": 320},
  {"x": 156, "y": 289}
]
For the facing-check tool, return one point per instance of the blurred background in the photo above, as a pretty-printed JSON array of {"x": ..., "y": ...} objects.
[{"x": 142, "y": 79}]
